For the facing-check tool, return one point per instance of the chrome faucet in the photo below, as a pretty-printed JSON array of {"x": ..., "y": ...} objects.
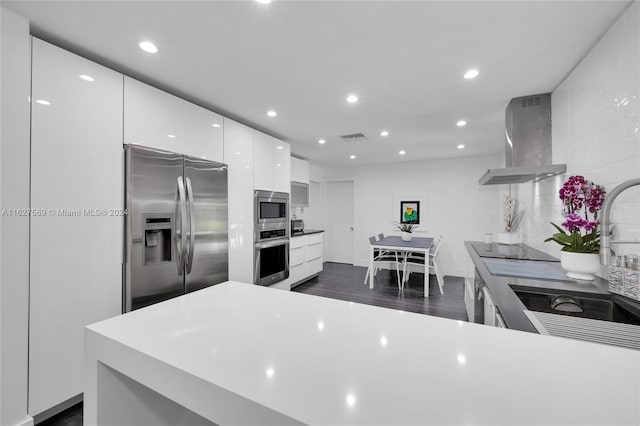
[{"x": 605, "y": 223}]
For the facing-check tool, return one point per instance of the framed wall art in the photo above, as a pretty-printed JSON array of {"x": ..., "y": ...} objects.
[{"x": 410, "y": 211}]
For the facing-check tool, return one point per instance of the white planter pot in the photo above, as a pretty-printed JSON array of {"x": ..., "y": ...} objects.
[
  {"x": 581, "y": 266},
  {"x": 406, "y": 236},
  {"x": 508, "y": 238}
]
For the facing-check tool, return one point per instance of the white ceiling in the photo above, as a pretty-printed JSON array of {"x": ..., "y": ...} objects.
[{"x": 404, "y": 59}]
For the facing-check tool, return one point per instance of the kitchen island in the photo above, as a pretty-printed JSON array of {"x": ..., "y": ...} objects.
[
  {"x": 501, "y": 287},
  {"x": 237, "y": 353}
]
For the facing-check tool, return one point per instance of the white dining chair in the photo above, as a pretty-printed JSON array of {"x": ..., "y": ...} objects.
[
  {"x": 434, "y": 262},
  {"x": 381, "y": 257},
  {"x": 417, "y": 259}
]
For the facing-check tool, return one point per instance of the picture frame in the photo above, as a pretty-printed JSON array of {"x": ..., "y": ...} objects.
[{"x": 410, "y": 211}]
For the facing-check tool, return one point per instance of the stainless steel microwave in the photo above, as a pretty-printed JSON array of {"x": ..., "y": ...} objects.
[{"x": 271, "y": 210}]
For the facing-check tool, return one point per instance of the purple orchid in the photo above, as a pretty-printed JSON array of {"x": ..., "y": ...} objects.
[{"x": 582, "y": 200}]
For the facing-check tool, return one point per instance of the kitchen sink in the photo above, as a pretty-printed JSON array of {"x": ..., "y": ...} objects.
[{"x": 600, "y": 308}]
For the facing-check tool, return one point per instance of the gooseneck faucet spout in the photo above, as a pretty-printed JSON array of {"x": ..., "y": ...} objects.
[{"x": 605, "y": 223}]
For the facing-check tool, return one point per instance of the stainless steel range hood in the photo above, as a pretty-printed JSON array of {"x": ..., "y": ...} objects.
[{"x": 528, "y": 143}]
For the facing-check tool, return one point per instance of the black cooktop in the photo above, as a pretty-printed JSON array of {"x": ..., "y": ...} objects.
[{"x": 511, "y": 251}]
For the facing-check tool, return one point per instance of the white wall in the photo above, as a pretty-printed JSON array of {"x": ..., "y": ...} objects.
[
  {"x": 14, "y": 194},
  {"x": 456, "y": 206},
  {"x": 596, "y": 132}
]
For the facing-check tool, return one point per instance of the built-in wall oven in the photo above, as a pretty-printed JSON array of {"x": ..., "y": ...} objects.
[{"x": 271, "y": 237}]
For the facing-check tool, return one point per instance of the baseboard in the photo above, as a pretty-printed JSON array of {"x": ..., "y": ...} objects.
[{"x": 27, "y": 421}]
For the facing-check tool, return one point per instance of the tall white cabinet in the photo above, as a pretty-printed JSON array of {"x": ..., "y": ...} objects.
[
  {"x": 160, "y": 120},
  {"x": 238, "y": 155},
  {"x": 281, "y": 166},
  {"x": 76, "y": 237},
  {"x": 272, "y": 163}
]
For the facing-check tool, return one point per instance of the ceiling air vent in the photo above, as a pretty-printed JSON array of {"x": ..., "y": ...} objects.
[
  {"x": 354, "y": 137},
  {"x": 531, "y": 101}
]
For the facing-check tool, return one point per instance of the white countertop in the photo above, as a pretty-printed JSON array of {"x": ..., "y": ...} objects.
[{"x": 330, "y": 362}]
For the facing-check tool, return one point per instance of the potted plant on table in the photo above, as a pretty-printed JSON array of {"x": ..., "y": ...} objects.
[
  {"x": 406, "y": 229},
  {"x": 580, "y": 240}
]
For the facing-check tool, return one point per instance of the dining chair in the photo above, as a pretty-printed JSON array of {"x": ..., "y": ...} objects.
[
  {"x": 434, "y": 262},
  {"x": 418, "y": 259},
  {"x": 383, "y": 256}
]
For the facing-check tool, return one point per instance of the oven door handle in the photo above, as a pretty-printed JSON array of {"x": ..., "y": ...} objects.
[{"x": 272, "y": 243}]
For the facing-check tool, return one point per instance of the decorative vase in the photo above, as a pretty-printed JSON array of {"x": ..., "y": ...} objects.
[
  {"x": 406, "y": 236},
  {"x": 508, "y": 238},
  {"x": 581, "y": 266}
]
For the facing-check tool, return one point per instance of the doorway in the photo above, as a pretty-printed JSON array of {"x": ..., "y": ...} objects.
[{"x": 339, "y": 221}]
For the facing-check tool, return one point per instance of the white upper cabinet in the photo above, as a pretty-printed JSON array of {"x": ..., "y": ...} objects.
[
  {"x": 157, "y": 119},
  {"x": 299, "y": 170},
  {"x": 271, "y": 163},
  {"x": 76, "y": 239},
  {"x": 262, "y": 161},
  {"x": 282, "y": 166}
]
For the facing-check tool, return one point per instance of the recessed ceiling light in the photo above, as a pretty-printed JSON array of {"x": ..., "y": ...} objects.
[
  {"x": 461, "y": 146},
  {"x": 147, "y": 46},
  {"x": 352, "y": 99},
  {"x": 215, "y": 125},
  {"x": 471, "y": 74},
  {"x": 86, "y": 77},
  {"x": 351, "y": 400},
  {"x": 171, "y": 136},
  {"x": 272, "y": 113},
  {"x": 384, "y": 133},
  {"x": 353, "y": 157},
  {"x": 402, "y": 152},
  {"x": 264, "y": 1},
  {"x": 238, "y": 153},
  {"x": 278, "y": 165},
  {"x": 280, "y": 147},
  {"x": 461, "y": 123},
  {"x": 322, "y": 141},
  {"x": 43, "y": 102}
]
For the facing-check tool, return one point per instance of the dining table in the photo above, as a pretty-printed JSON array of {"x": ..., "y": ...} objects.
[{"x": 397, "y": 244}]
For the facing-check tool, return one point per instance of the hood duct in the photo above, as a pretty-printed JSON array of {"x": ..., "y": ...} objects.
[{"x": 528, "y": 143}]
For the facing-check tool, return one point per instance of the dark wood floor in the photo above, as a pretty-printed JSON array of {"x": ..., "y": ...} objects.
[
  {"x": 346, "y": 282},
  {"x": 70, "y": 417}
]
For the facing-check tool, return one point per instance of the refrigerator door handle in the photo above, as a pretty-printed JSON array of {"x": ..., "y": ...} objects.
[
  {"x": 181, "y": 213},
  {"x": 191, "y": 235}
]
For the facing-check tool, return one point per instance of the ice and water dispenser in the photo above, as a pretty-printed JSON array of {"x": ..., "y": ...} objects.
[{"x": 157, "y": 238}]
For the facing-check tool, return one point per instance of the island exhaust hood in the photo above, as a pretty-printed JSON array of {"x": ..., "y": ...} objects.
[{"x": 528, "y": 143}]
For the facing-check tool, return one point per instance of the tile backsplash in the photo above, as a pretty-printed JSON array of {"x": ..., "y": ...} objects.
[{"x": 596, "y": 132}]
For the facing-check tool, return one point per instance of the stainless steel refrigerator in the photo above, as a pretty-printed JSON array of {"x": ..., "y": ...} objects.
[{"x": 176, "y": 233}]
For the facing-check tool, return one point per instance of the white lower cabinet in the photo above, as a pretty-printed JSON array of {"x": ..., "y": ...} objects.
[
  {"x": 76, "y": 239},
  {"x": 489, "y": 308},
  {"x": 305, "y": 258}
]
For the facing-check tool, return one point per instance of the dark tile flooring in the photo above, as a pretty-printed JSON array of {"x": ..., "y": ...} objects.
[{"x": 346, "y": 282}]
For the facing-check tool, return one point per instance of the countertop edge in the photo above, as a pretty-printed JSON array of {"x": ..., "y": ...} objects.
[
  {"x": 510, "y": 307},
  {"x": 307, "y": 232}
]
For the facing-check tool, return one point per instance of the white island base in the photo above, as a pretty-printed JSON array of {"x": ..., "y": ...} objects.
[{"x": 243, "y": 354}]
